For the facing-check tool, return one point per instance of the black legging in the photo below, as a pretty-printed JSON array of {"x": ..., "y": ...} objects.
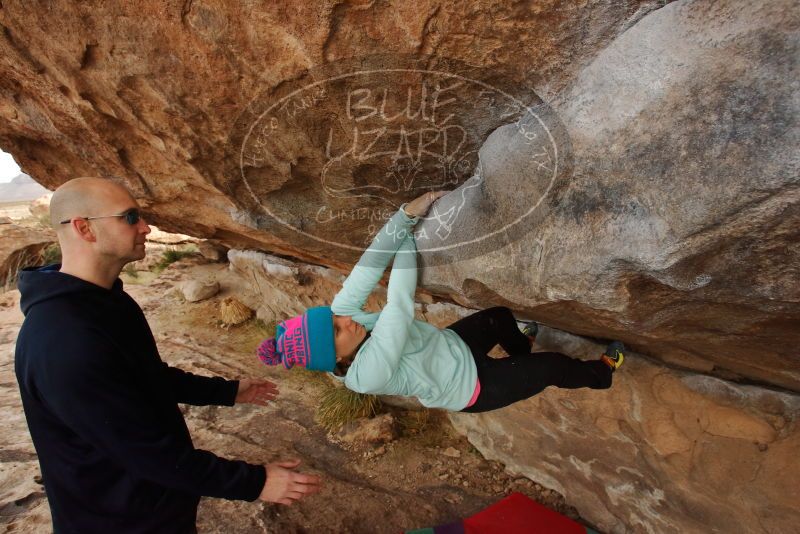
[{"x": 522, "y": 374}]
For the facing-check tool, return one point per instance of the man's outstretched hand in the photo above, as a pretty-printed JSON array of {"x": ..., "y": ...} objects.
[
  {"x": 255, "y": 391},
  {"x": 284, "y": 485}
]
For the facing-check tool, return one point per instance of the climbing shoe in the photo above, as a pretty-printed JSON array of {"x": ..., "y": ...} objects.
[
  {"x": 531, "y": 329},
  {"x": 613, "y": 356}
]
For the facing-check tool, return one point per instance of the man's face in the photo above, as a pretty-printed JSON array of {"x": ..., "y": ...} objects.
[
  {"x": 347, "y": 334},
  {"x": 116, "y": 239}
]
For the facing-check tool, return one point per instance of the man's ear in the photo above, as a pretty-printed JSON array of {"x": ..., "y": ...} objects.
[{"x": 83, "y": 229}]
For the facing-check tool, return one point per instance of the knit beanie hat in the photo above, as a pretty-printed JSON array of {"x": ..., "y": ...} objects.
[{"x": 305, "y": 340}]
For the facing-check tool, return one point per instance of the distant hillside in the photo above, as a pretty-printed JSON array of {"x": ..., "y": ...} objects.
[{"x": 21, "y": 188}]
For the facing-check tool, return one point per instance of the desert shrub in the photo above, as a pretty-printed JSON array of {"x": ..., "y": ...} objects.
[
  {"x": 340, "y": 405},
  {"x": 51, "y": 254},
  {"x": 170, "y": 256},
  {"x": 131, "y": 271},
  {"x": 414, "y": 422}
]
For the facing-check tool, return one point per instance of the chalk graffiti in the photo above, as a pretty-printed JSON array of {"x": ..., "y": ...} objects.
[{"x": 367, "y": 140}]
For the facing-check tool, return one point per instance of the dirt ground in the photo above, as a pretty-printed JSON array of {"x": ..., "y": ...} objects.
[{"x": 429, "y": 475}]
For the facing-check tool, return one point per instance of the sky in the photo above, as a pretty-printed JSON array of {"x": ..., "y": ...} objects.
[{"x": 8, "y": 168}]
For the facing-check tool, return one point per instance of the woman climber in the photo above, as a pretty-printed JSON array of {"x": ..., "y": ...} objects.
[{"x": 391, "y": 353}]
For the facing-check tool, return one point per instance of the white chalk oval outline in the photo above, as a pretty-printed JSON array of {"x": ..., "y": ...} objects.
[{"x": 420, "y": 71}]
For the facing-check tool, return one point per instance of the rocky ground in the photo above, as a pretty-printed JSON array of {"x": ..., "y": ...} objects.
[{"x": 426, "y": 475}]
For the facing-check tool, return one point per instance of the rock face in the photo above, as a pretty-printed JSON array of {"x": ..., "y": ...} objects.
[
  {"x": 21, "y": 247},
  {"x": 648, "y": 192},
  {"x": 40, "y": 207},
  {"x": 621, "y": 170},
  {"x": 677, "y": 230},
  {"x": 92, "y": 90},
  {"x": 661, "y": 451}
]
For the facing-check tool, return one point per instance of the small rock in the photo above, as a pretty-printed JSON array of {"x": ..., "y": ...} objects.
[
  {"x": 212, "y": 251},
  {"x": 197, "y": 290},
  {"x": 452, "y": 452},
  {"x": 497, "y": 488},
  {"x": 41, "y": 206},
  {"x": 377, "y": 430},
  {"x": 424, "y": 298},
  {"x": 453, "y": 499},
  {"x": 174, "y": 293},
  {"x": 443, "y": 476}
]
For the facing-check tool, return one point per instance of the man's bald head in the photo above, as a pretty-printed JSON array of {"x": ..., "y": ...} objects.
[{"x": 83, "y": 197}]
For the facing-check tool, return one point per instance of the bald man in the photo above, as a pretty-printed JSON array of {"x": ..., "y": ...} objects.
[{"x": 102, "y": 408}]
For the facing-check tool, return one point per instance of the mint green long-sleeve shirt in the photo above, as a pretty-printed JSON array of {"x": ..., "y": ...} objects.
[{"x": 402, "y": 356}]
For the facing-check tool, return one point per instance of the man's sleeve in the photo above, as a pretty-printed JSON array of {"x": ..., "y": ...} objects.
[
  {"x": 369, "y": 269},
  {"x": 199, "y": 390},
  {"x": 99, "y": 399}
]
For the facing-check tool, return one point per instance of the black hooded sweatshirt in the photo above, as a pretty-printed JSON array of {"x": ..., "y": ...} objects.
[{"x": 102, "y": 409}]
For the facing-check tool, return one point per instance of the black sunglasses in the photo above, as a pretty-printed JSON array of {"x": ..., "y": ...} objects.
[{"x": 131, "y": 216}]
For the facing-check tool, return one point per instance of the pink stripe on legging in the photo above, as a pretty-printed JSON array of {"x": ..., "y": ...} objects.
[{"x": 475, "y": 393}]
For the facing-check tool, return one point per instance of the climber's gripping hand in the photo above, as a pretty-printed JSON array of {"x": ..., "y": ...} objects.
[{"x": 420, "y": 205}]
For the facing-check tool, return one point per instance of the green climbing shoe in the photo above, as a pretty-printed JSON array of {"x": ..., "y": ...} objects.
[
  {"x": 613, "y": 356},
  {"x": 531, "y": 329}
]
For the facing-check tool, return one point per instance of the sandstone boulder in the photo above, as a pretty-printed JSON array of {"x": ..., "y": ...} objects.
[
  {"x": 665, "y": 194},
  {"x": 40, "y": 207},
  {"x": 157, "y": 235},
  {"x": 212, "y": 251},
  {"x": 620, "y": 170},
  {"x": 675, "y": 228},
  {"x": 197, "y": 290},
  {"x": 661, "y": 451},
  {"x": 22, "y": 247},
  {"x": 376, "y": 430}
]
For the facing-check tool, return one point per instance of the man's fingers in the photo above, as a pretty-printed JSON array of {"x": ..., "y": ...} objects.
[
  {"x": 287, "y": 502},
  {"x": 289, "y": 464},
  {"x": 300, "y": 485},
  {"x": 302, "y": 478},
  {"x": 305, "y": 488},
  {"x": 264, "y": 398}
]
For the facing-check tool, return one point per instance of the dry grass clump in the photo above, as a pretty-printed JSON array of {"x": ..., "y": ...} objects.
[
  {"x": 340, "y": 405},
  {"x": 414, "y": 422},
  {"x": 30, "y": 256},
  {"x": 233, "y": 312}
]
